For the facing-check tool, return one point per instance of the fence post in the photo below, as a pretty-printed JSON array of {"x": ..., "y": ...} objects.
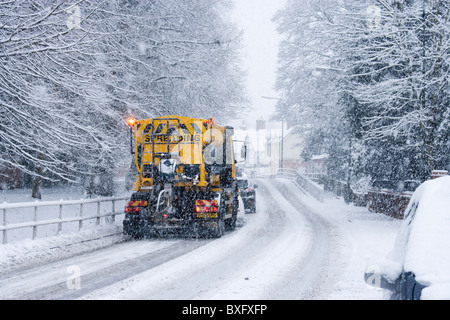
[
  {"x": 5, "y": 238},
  {"x": 113, "y": 215},
  {"x": 80, "y": 223},
  {"x": 60, "y": 219},
  {"x": 98, "y": 213},
  {"x": 35, "y": 219}
]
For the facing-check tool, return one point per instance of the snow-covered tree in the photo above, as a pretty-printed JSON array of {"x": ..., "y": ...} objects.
[
  {"x": 368, "y": 83},
  {"x": 72, "y": 71},
  {"x": 308, "y": 77},
  {"x": 397, "y": 78},
  {"x": 42, "y": 45}
]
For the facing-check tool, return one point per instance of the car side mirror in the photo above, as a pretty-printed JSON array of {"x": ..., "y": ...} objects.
[
  {"x": 255, "y": 186},
  {"x": 375, "y": 278}
]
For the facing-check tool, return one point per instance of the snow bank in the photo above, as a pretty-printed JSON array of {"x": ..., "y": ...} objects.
[
  {"x": 29, "y": 253},
  {"x": 364, "y": 239}
]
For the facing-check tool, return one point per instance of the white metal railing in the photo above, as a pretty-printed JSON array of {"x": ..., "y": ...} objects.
[
  {"x": 287, "y": 172},
  {"x": 311, "y": 187},
  {"x": 80, "y": 217},
  {"x": 308, "y": 185}
]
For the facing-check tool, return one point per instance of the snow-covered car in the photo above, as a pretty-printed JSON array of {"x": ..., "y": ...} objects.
[
  {"x": 418, "y": 266},
  {"x": 248, "y": 195}
]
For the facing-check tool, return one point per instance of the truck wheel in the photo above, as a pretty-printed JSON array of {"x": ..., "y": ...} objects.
[
  {"x": 131, "y": 228},
  {"x": 136, "y": 235},
  {"x": 231, "y": 223},
  {"x": 219, "y": 230},
  {"x": 150, "y": 233}
]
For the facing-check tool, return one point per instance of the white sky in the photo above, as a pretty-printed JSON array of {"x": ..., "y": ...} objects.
[{"x": 260, "y": 52}]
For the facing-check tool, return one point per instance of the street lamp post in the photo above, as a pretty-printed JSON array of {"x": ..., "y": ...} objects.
[
  {"x": 131, "y": 122},
  {"x": 282, "y": 132},
  {"x": 282, "y": 143}
]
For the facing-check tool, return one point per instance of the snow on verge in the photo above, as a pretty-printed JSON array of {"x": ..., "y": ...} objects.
[{"x": 29, "y": 253}]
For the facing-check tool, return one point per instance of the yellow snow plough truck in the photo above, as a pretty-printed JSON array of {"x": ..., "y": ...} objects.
[{"x": 186, "y": 178}]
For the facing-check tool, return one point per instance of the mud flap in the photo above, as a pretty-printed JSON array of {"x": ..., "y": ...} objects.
[
  {"x": 137, "y": 228},
  {"x": 219, "y": 230}
]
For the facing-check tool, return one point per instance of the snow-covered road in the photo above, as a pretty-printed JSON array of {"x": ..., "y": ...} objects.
[{"x": 292, "y": 248}]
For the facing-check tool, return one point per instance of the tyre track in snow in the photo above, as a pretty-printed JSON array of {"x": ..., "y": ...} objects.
[
  {"x": 321, "y": 267},
  {"x": 290, "y": 255},
  {"x": 97, "y": 269},
  {"x": 302, "y": 281},
  {"x": 278, "y": 262},
  {"x": 280, "y": 253},
  {"x": 207, "y": 272}
]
